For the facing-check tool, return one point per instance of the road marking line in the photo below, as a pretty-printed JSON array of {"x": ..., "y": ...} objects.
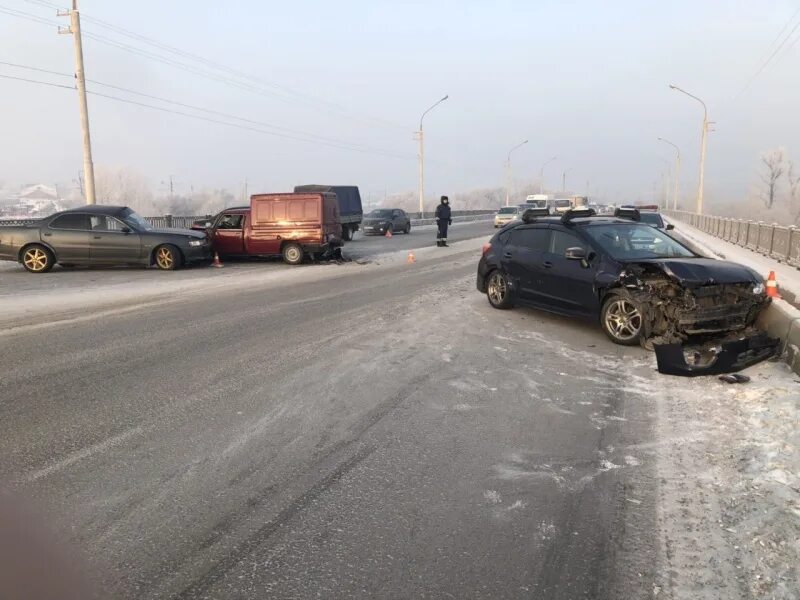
[{"x": 82, "y": 454}]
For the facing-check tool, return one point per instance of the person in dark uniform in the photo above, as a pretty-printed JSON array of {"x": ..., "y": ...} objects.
[{"x": 443, "y": 219}]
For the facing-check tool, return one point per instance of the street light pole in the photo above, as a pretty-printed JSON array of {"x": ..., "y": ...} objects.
[
  {"x": 508, "y": 170},
  {"x": 422, "y": 158},
  {"x": 677, "y": 172},
  {"x": 564, "y": 179},
  {"x": 703, "y": 141},
  {"x": 541, "y": 174}
]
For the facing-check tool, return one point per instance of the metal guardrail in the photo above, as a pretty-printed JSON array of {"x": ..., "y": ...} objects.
[
  {"x": 776, "y": 241},
  {"x": 457, "y": 219}
]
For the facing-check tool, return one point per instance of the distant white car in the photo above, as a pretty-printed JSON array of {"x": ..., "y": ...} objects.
[{"x": 506, "y": 214}]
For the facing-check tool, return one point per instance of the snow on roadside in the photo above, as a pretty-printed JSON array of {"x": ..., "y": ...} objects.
[{"x": 729, "y": 473}]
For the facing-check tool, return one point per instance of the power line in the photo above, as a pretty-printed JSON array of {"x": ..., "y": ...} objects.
[
  {"x": 217, "y": 121},
  {"x": 294, "y": 94},
  {"x": 766, "y": 62},
  {"x": 306, "y": 134}
]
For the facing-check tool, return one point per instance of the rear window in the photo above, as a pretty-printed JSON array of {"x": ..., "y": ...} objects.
[
  {"x": 532, "y": 239},
  {"x": 651, "y": 219},
  {"x": 71, "y": 221},
  {"x": 507, "y": 210}
]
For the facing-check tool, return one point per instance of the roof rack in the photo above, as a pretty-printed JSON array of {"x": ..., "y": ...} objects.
[
  {"x": 530, "y": 214},
  {"x": 576, "y": 213},
  {"x": 627, "y": 212}
]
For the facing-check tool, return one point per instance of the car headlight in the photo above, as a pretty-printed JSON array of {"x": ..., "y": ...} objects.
[
  {"x": 758, "y": 289},
  {"x": 196, "y": 242}
]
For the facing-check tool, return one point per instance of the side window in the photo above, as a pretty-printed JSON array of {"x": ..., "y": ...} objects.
[
  {"x": 230, "y": 222},
  {"x": 397, "y": 214},
  {"x": 562, "y": 240},
  {"x": 105, "y": 223},
  {"x": 71, "y": 221},
  {"x": 532, "y": 239}
]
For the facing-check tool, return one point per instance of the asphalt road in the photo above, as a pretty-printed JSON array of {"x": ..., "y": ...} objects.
[{"x": 383, "y": 433}]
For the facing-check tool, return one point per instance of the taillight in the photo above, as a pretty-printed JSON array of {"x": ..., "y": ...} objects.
[{"x": 486, "y": 247}]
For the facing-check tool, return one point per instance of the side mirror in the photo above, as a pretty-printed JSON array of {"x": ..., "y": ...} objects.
[
  {"x": 670, "y": 227},
  {"x": 576, "y": 253}
]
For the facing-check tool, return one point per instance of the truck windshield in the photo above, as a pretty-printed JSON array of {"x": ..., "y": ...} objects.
[
  {"x": 636, "y": 242},
  {"x": 135, "y": 221},
  {"x": 380, "y": 214}
]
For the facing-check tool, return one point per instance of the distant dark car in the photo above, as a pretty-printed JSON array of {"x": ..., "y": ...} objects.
[
  {"x": 100, "y": 235},
  {"x": 379, "y": 221},
  {"x": 640, "y": 283}
]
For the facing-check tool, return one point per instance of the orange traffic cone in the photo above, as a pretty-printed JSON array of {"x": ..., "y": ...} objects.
[
  {"x": 388, "y": 233},
  {"x": 217, "y": 263},
  {"x": 411, "y": 259},
  {"x": 772, "y": 286}
]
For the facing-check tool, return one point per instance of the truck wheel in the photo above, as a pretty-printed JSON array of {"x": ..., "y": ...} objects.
[
  {"x": 37, "y": 259},
  {"x": 167, "y": 257},
  {"x": 292, "y": 254},
  {"x": 347, "y": 234}
]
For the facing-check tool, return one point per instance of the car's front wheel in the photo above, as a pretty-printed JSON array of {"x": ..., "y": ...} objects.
[
  {"x": 167, "y": 258},
  {"x": 497, "y": 290},
  {"x": 38, "y": 259},
  {"x": 621, "y": 319},
  {"x": 407, "y": 230}
]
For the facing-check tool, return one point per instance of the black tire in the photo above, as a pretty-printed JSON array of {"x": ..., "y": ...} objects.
[
  {"x": 167, "y": 257},
  {"x": 37, "y": 259},
  {"x": 292, "y": 254},
  {"x": 497, "y": 290},
  {"x": 407, "y": 230},
  {"x": 347, "y": 234},
  {"x": 621, "y": 319}
]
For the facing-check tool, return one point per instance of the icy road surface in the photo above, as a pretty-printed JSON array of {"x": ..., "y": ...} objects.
[{"x": 379, "y": 431}]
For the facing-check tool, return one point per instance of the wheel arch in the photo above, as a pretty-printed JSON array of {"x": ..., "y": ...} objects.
[{"x": 24, "y": 247}]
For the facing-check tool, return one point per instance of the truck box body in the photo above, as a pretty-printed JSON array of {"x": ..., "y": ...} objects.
[
  {"x": 308, "y": 221},
  {"x": 348, "y": 197}
]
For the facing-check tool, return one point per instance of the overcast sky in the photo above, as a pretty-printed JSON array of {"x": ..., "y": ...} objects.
[{"x": 584, "y": 81}]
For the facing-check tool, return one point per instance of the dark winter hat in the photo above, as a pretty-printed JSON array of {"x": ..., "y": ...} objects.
[{"x": 445, "y": 199}]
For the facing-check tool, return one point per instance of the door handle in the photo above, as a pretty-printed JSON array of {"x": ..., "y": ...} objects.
[
  {"x": 547, "y": 264},
  {"x": 98, "y": 237},
  {"x": 47, "y": 234}
]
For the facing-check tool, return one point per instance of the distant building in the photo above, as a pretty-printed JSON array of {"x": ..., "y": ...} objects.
[{"x": 32, "y": 201}]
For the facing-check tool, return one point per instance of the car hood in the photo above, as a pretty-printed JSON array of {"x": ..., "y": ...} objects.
[
  {"x": 172, "y": 231},
  {"x": 694, "y": 272}
]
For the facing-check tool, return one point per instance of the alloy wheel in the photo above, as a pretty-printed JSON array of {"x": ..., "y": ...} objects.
[
  {"x": 164, "y": 258},
  {"x": 35, "y": 259},
  {"x": 623, "y": 320},
  {"x": 497, "y": 288}
]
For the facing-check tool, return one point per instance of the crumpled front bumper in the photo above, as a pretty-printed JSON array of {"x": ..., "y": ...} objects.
[{"x": 728, "y": 357}]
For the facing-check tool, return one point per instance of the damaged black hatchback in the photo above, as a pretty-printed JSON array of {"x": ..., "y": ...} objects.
[{"x": 640, "y": 283}]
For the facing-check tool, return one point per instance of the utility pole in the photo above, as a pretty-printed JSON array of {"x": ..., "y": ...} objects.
[
  {"x": 80, "y": 79},
  {"x": 245, "y": 190},
  {"x": 171, "y": 188},
  {"x": 564, "y": 180},
  {"x": 420, "y": 137},
  {"x": 703, "y": 141},
  {"x": 509, "y": 176}
]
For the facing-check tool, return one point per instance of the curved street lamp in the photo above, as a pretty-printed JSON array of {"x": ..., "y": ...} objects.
[
  {"x": 508, "y": 169},
  {"x": 677, "y": 172},
  {"x": 541, "y": 174},
  {"x": 702, "y": 147},
  {"x": 422, "y": 158}
]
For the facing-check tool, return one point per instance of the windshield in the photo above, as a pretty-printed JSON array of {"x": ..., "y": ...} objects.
[
  {"x": 507, "y": 210},
  {"x": 135, "y": 221},
  {"x": 380, "y": 214},
  {"x": 636, "y": 241},
  {"x": 561, "y": 203},
  {"x": 651, "y": 219}
]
